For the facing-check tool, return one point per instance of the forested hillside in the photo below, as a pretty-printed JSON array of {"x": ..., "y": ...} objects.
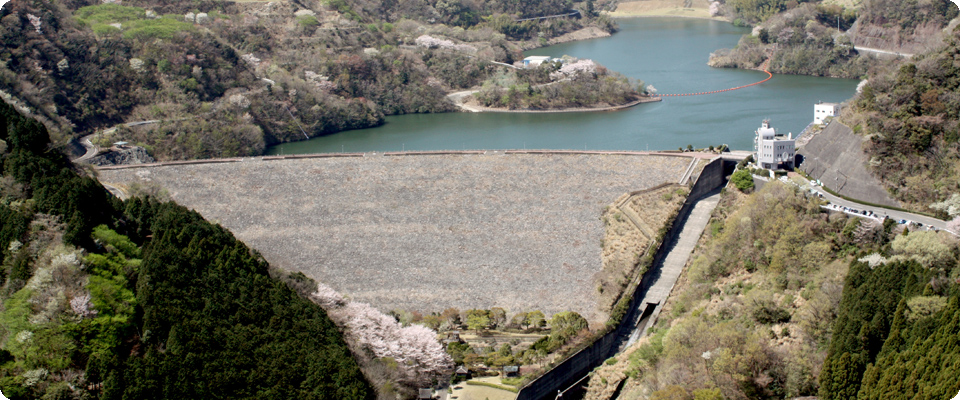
[
  {"x": 768, "y": 310},
  {"x": 912, "y": 116},
  {"x": 751, "y": 317},
  {"x": 142, "y": 299},
  {"x": 896, "y": 336},
  {"x": 818, "y": 38},
  {"x": 228, "y": 79}
]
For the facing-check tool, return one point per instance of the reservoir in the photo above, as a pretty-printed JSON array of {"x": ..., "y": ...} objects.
[{"x": 669, "y": 53}]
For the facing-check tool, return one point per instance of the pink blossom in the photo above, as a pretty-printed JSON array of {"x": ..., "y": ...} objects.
[
  {"x": 570, "y": 70},
  {"x": 35, "y": 21},
  {"x": 327, "y": 297},
  {"x": 431, "y": 42},
  {"x": 714, "y": 8},
  {"x": 81, "y": 306},
  {"x": 415, "y": 348},
  {"x": 954, "y": 225}
]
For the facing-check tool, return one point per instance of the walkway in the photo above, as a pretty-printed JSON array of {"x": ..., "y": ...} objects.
[{"x": 666, "y": 273}]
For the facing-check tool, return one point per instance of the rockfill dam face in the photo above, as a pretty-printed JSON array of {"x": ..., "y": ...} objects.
[{"x": 426, "y": 232}]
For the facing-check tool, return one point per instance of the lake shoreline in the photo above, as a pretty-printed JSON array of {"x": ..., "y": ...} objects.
[
  {"x": 669, "y": 53},
  {"x": 477, "y": 108}
]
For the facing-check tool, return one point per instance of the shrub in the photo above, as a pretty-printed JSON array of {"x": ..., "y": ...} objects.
[
  {"x": 743, "y": 180},
  {"x": 308, "y": 21}
]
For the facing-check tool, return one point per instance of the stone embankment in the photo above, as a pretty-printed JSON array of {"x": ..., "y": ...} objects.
[
  {"x": 127, "y": 156},
  {"x": 424, "y": 232},
  {"x": 462, "y": 101}
]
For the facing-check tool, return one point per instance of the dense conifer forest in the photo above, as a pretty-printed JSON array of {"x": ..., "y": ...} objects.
[{"x": 143, "y": 299}]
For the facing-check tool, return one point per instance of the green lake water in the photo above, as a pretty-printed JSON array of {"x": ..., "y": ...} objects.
[{"x": 668, "y": 53}]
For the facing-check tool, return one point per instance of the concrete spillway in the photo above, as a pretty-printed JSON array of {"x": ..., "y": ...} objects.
[{"x": 666, "y": 272}]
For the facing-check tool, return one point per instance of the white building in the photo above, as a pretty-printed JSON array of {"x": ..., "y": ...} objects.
[
  {"x": 823, "y": 110},
  {"x": 774, "y": 151},
  {"x": 535, "y": 61}
]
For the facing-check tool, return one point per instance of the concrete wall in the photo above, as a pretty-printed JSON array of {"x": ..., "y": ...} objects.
[
  {"x": 579, "y": 364},
  {"x": 835, "y": 157}
]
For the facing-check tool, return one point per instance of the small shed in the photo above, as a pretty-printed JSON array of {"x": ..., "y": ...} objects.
[
  {"x": 425, "y": 394},
  {"x": 535, "y": 61},
  {"x": 511, "y": 371},
  {"x": 452, "y": 337},
  {"x": 462, "y": 372}
]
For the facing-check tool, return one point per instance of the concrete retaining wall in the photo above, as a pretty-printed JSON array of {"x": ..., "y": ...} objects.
[
  {"x": 835, "y": 157},
  {"x": 581, "y": 363}
]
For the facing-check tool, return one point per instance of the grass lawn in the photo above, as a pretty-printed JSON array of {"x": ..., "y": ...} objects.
[{"x": 474, "y": 392}]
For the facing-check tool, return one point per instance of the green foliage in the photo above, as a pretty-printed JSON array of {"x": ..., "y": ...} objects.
[
  {"x": 743, "y": 180},
  {"x": 910, "y": 113},
  {"x": 754, "y": 11},
  {"x": 108, "y": 13},
  {"x": 764, "y": 309},
  {"x": 121, "y": 243},
  {"x": 535, "y": 319},
  {"x": 924, "y": 306},
  {"x": 458, "y": 351},
  {"x": 160, "y": 28},
  {"x": 863, "y": 323},
  {"x": 342, "y": 7},
  {"x": 494, "y": 385},
  {"x": 535, "y": 89},
  {"x": 308, "y": 21},
  {"x": 707, "y": 394},
  {"x": 198, "y": 317},
  {"x": 209, "y": 296},
  {"x": 478, "y": 322},
  {"x": 925, "y": 365},
  {"x": 926, "y": 247},
  {"x": 13, "y": 227}
]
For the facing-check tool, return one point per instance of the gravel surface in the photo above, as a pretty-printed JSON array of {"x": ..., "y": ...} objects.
[{"x": 425, "y": 233}]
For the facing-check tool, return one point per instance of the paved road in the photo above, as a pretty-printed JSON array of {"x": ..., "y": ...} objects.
[
  {"x": 457, "y": 99},
  {"x": 878, "y": 211},
  {"x": 92, "y": 150},
  {"x": 872, "y": 50}
]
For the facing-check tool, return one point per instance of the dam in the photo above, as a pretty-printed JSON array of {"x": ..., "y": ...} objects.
[{"x": 424, "y": 232}]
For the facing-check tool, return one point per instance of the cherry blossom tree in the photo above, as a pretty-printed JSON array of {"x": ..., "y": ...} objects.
[
  {"x": 954, "y": 225},
  {"x": 714, "y": 8},
  {"x": 431, "y": 42},
  {"x": 572, "y": 69},
  {"x": 419, "y": 355},
  {"x": 82, "y": 306},
  {"x": 35, "y": 21}
]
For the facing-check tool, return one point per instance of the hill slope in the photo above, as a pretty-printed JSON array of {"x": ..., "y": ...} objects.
[
  {"x": 143, "y": 299},
  {"x": 229, "y": 78}
]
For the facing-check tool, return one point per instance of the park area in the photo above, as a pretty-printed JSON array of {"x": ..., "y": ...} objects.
[{"x": 425, "y": 233}]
